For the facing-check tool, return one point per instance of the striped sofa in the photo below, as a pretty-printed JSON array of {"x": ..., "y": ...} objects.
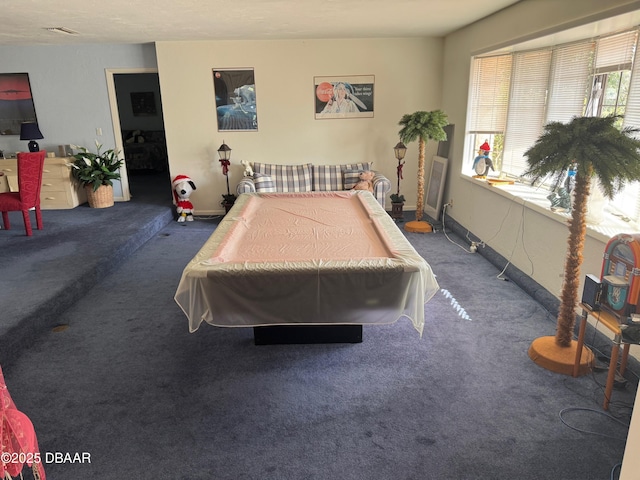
[{"x": 310, "y": 178}]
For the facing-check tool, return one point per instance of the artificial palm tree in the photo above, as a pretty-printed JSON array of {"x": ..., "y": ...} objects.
[
  {"x": 422, "y": 126},
  {"x": 601, "y": 152}
]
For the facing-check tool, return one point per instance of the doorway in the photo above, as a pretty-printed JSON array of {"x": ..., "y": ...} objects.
[{"x": 138, "y": 126}]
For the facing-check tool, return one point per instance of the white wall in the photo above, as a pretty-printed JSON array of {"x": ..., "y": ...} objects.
[
  {"x": 533, "y": 241},
  {"x": 541, "y": 252},
  {"x": 407, "y": 79},
  {"x": 69, "y": 90}
]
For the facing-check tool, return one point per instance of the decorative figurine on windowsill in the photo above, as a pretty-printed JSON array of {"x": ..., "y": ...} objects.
[
  {"x": 182, "y": 188},
  {"x": 560, "y": 201},
  {"x": 482, "y": 163},
  {"x": 570, "y": 181}
]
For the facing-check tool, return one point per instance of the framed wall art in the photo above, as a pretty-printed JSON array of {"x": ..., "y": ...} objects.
[
  {"x": 235, "y": 91},
  {"x": 16, "y": 102},
  {"x": 344, "y": 97},
  {"x": 143, "y": 104}
]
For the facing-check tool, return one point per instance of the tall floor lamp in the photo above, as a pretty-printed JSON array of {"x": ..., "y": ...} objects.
[{"x": 224, "y": 152}]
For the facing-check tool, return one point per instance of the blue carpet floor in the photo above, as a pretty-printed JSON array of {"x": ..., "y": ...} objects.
[{"x": 128, "y": 384}]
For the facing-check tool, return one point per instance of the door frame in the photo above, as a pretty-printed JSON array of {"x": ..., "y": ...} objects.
[{"x": 115, "y": 120}]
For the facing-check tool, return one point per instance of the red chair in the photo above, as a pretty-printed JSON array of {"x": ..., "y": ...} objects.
[{"x": 30, "y": 168}]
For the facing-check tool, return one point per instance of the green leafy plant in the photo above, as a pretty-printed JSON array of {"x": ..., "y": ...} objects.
[
  {"x": 397, "y": 198},
  {"x": 96, "y": 169},
  {"x": 228, "y": 198}
]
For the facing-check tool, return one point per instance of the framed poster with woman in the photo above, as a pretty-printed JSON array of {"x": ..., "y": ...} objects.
[{"x": 344, "y": 97}]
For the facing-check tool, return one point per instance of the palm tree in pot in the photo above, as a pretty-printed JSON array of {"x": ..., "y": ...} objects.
[
  {"x": 602, "y": 152},
  {"x": 422, "y": 126}
]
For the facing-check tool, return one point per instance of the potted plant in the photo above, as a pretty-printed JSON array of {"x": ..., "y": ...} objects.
[
  {"x": 397, "y": 198},
  {"x": 397, "y": 203},
  {"x": 422, "y": 126},
  {"x": 601, "y": 152},
  {"x": 228, "y": 199},
  {"x": 96, "y": 172}
]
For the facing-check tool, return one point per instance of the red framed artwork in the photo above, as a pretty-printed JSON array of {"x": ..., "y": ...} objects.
[{"x": 16, "y": 102}]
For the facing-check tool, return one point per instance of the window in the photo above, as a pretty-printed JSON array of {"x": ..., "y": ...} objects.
[
  {"x": 526, "y": 108},
  {"x": 512, "y": 96},
  {"x": 491, "y": 79}
]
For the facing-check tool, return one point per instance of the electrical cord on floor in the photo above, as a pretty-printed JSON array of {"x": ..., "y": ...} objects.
[
  {"x": 444, "y": 213},
  {"x": 617, "y": 409},
  {"x": 613, "y": 470},
  {"x": 475, "y": 245},
  {"x": 520, "y": 232},
  {"x": 628, "y": 408},
  {"x": 599, "y": 412}
]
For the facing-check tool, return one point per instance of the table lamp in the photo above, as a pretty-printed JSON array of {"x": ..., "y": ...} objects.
[{"x": 30, "y": 131}]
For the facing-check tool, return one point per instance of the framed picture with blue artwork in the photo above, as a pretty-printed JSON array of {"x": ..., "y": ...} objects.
[
  {"x": 235, "y": 91},
  {"x": 16, "y": 102}
]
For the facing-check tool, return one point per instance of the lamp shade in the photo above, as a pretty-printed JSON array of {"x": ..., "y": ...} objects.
[
  {"x": 224, "y": 151},
  {"x": 400, "y": 150},
  {"x": 30, "y": 131}
]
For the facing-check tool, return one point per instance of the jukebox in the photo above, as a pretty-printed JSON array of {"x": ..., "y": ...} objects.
[{"x": 620, "y": 276}]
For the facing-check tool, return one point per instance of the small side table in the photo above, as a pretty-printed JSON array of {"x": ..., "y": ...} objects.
[{"x": 611, "y": 322}]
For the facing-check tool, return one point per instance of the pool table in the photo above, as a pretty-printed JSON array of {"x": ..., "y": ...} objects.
[{"x": 313, "y": 258}]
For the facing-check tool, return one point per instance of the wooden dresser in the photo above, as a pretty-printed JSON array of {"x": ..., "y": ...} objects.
[{"x": 58, "y": 189}]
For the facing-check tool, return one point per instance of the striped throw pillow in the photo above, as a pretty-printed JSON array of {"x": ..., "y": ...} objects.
[{"x": 263, "y": 183}]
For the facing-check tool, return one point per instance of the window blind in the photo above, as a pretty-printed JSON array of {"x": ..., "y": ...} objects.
[
  {"x": 615, "y": 52},
  {"x": 570, "y": 83},
  {"x": 632, "y": 112},
  {"x": 489, "y": 93},
  {"x": 628, "y": 200},
  {"x": 530, "y": 76}
]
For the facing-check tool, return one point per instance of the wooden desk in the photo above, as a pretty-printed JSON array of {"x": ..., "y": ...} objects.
[{"x": 610, "y": 321}]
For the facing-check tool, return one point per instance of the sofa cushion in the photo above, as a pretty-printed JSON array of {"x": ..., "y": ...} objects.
[
  {"x": 288, "y": 178},
  {"x": 327, "y": 178},
  {"x": 263, "y": 183},
  {"x": 351, "y": 174}
]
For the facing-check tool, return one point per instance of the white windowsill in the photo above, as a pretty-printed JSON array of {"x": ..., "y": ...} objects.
[{"x": 536, "y": 199}]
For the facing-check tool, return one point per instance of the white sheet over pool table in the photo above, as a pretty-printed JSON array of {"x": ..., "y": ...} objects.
[{"x": 318, "y": 258}]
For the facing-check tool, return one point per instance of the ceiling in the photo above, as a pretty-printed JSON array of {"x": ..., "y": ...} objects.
[{"x": 143, "y": 21}]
